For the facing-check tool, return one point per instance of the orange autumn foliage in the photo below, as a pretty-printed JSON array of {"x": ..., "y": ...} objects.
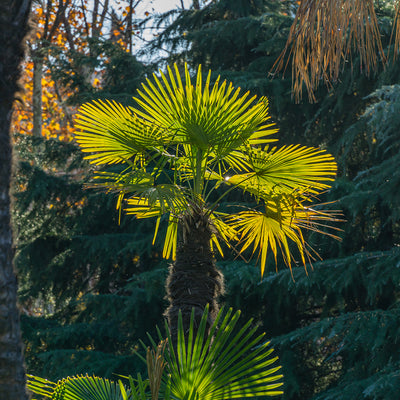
[{"x": 65, "y": 26}]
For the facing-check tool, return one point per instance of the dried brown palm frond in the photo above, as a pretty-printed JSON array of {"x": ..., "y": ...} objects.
[
  {"x": 396, "y": 32},
  {"x": 322, "y": 37},
  {"x": 155, "y": 367}
]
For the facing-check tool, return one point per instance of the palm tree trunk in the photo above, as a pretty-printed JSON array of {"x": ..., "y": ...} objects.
[
  {"x": 194, "y": 280},
  {"x": 13, "y": 27}
]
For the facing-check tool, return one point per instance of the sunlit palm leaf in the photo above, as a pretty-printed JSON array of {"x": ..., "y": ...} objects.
[
  {"x": 218, "y": 119},
  {"x": 289, "y": 168},
  {"x": 158, "y": 201},
  {"x": 171, "y": 238},
  {"x": 158, "y": 198},
  {"x": 227, "y": 363},
  {"x": 140, "y": 208},
  {"x": 112, "y": 132},
  {"x": 79, "y": 388},
  {"x": 279, "y": 223},
  {"x": 129, "y": 182},
  {"x": 225, "y": 233},
  {"x": 267, "y": 230},
  {"x": 236, "y": 160}
]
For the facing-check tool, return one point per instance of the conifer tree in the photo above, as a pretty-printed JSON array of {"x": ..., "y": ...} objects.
[
  {"x": 81, "y": 273},
  {"x": 336, "y": 327},
  {"x": 85, "y": 280}
]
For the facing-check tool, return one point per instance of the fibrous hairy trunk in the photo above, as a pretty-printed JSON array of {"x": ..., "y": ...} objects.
[
  {"x": 194, "y": 280},
  {"x": 13, "y": 27}
]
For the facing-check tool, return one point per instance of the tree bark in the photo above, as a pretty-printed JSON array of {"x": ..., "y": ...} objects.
[
  {"x": 194, "y": 280},
  {"x": 37, "y": 93},
  {"x": 13, "y": 27}
]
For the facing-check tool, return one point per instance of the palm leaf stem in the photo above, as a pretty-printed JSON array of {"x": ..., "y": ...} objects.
[
  {"x": 198, "y": 176},
  {"x": 216, "y": 202}
]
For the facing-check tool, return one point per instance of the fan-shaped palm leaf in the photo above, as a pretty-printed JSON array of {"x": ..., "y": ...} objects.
[
  {"x": 224, "y": 232},
  {"x": 267, "y": 230},
  {"x": 128, "y": 182},
  {"x": 216, "y": 119},
  {"x": 279, "y": 223},
  {"x": 275, "y": 170},
  {"x": 113, "y": 133},
  {"x": 228, "y": 363},
  {"x": 84, "y": 388}
]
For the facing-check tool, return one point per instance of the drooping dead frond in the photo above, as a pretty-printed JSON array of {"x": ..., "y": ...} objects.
[
  {"x": 155, "y": 367},
  {"x": 396, "y": 32},
  {"x": 321, "y": 39}
]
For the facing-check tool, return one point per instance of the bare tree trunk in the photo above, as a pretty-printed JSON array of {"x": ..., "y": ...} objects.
[
  {"x": 13, "y": 27},
  {"x": 37, "y": 94}
]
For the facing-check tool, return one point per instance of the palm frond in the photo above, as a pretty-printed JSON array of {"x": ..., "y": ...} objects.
[
  {"x": 156, "y": 200},
  {"x": 280, "y": 223},
  {"x": 321, "y": 39},
  {"x": 228, "y": 363},
  {"x": 224, "y": 232},
  {"x": 171, "y": 238},
  {"x": 211, "y": 119},
  {"x": 113, "y": 133},
  {"x": 236, "y": 160},
  {"x": 266, "y": 231},
  {"x": 79, "y": 388},
  {"x": 135, "y": 181},
  {"x": 289, "y": 168}
]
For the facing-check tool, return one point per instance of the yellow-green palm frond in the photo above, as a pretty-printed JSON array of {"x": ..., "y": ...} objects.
[
  {"x": 303, "y": 169},
  {"x": 273, "y": 228},
  {"x": 140, "y": 208},
  {"x": 113, "y": 133},
  {"x": 318, "y": 220},
  {"x": 134, "y": 181},
  {"x": 265, "y": 231},
  {"x": 236, "y": 160},
  {"x": 86, "y": 387},
  {"x": 171, "y": 238},
  {"x": 224, "y": 232},
  {"x": 157, "y": 200},
  {"x": 215, "y": 119}
]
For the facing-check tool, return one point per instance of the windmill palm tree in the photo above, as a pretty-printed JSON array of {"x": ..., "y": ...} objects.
[{"x": 184, "y": 147}]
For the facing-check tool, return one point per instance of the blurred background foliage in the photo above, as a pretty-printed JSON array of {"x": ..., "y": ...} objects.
[{"x": 90, "y": 287}]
